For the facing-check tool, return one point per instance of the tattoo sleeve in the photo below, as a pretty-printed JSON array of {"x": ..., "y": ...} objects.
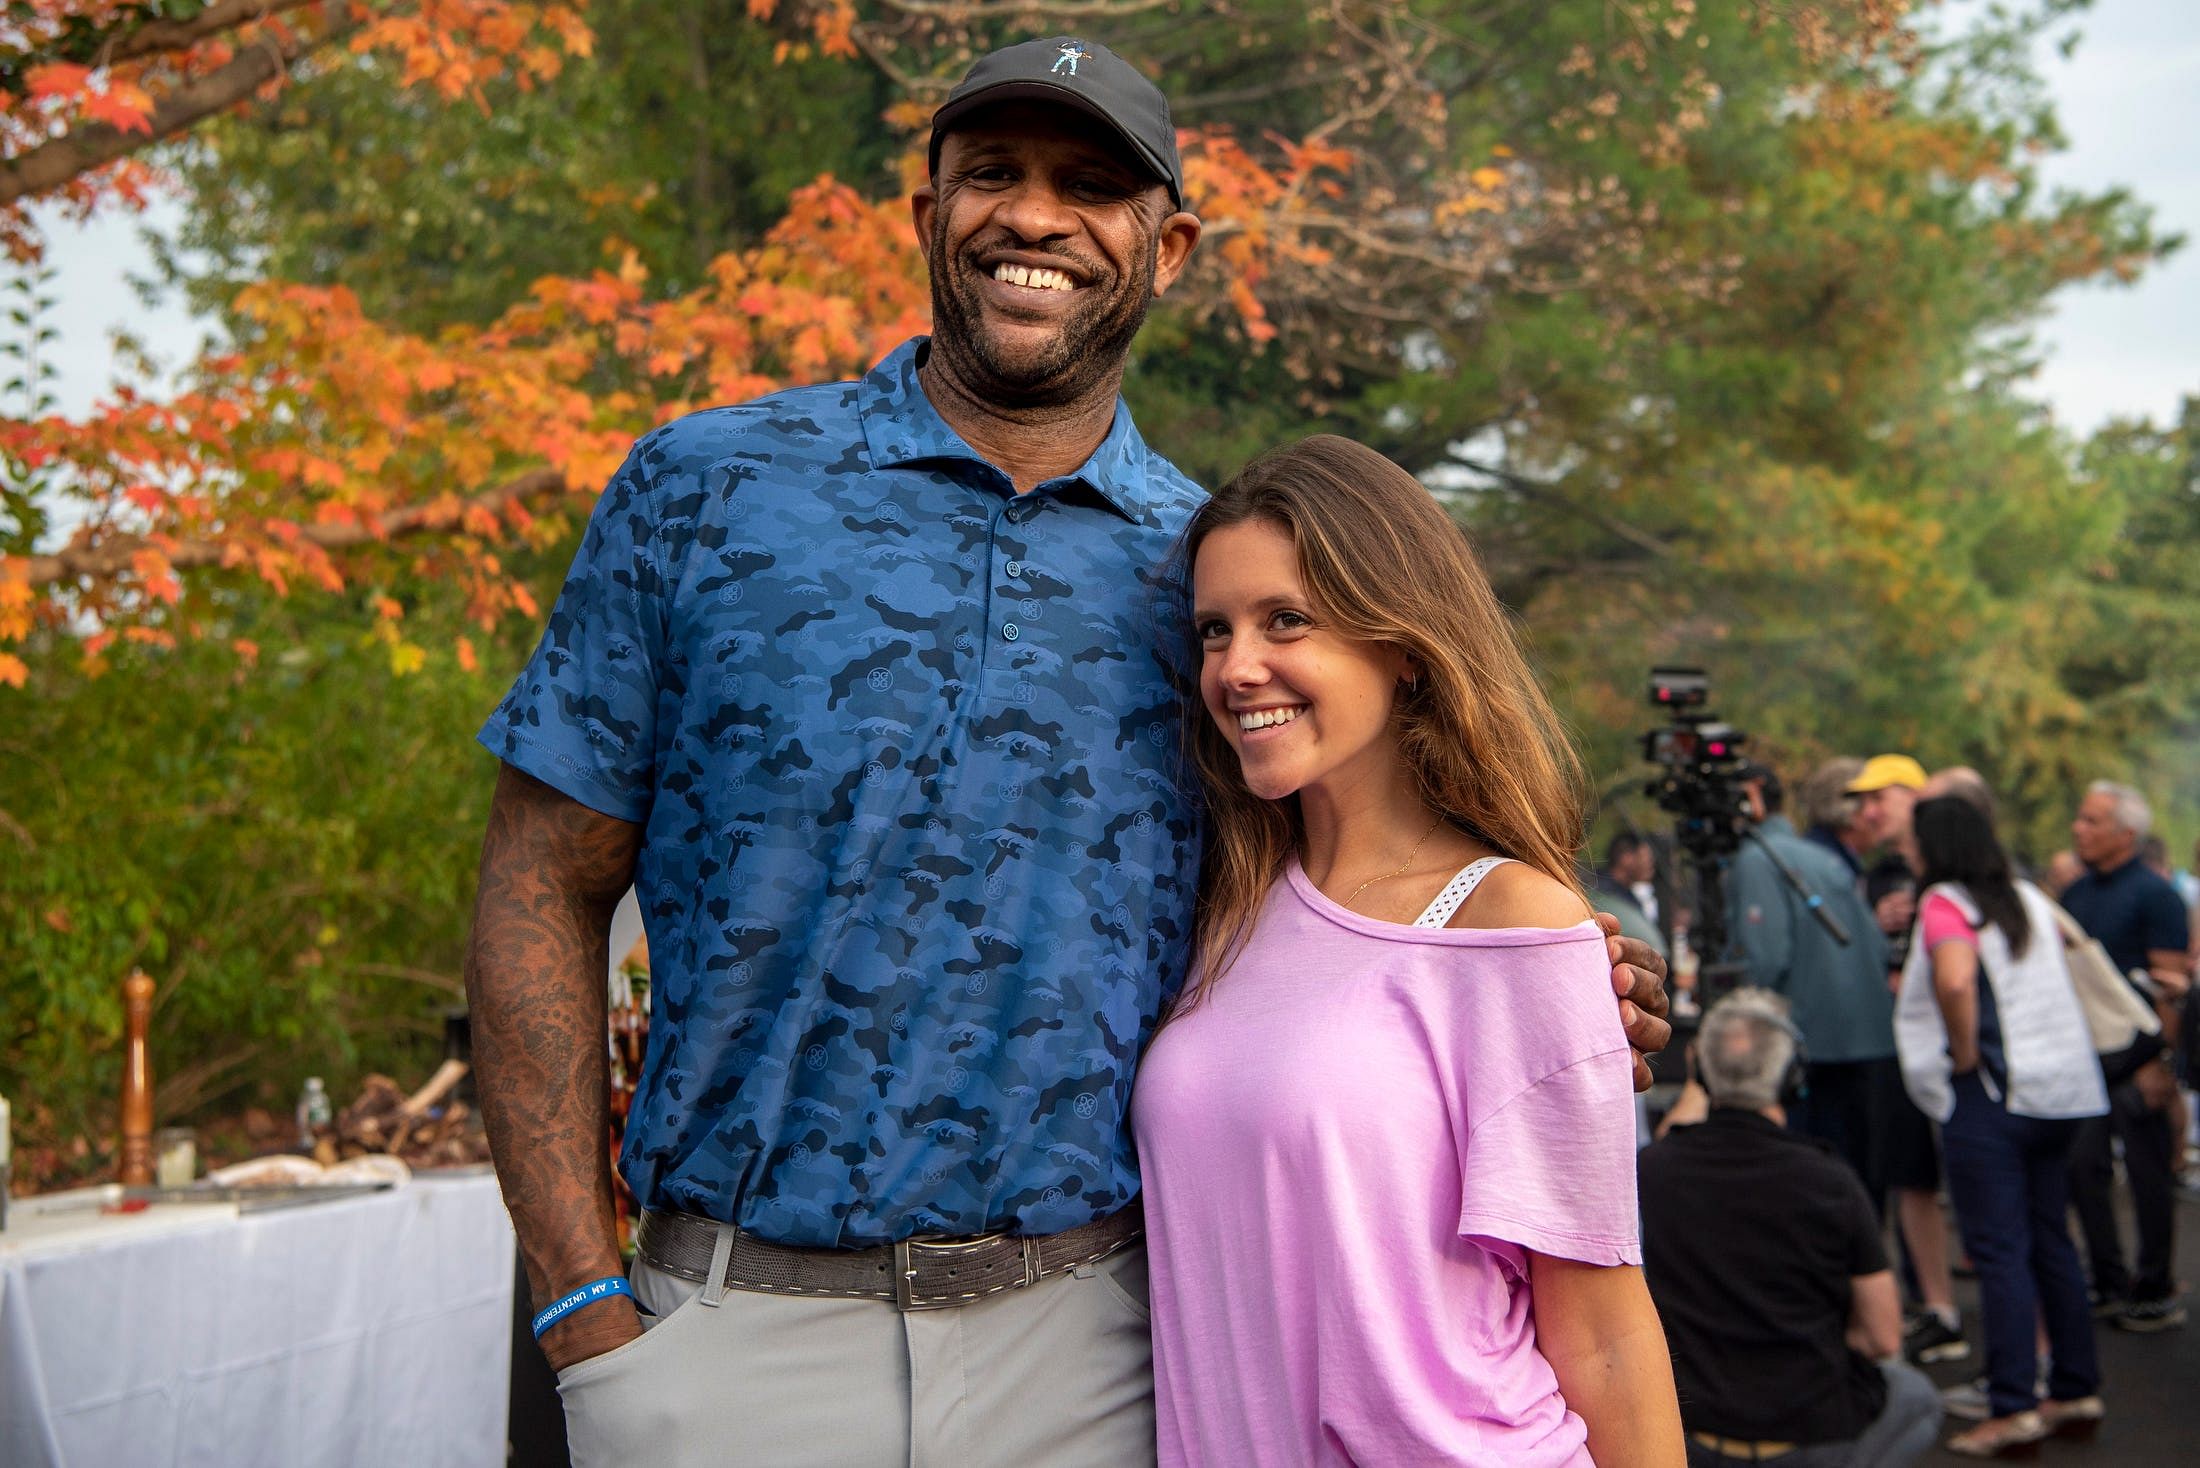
[{"x": 552, "y": 870}]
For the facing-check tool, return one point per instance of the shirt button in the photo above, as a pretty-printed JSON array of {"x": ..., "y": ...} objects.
[
  {"x": 1021, "y": 509},
  {"x": 1010, "y": 632},
  {"x": 1014, "y": 568}
]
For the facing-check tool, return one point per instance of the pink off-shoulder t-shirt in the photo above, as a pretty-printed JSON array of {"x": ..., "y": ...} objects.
[{"x": 1348, "y": 1146}]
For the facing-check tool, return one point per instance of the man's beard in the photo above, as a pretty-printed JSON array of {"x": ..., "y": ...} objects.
[{"x": 1088, "y": 349}]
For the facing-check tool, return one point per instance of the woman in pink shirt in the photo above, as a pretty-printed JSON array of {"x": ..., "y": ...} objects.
[{"x": 1387, "y": 1134}]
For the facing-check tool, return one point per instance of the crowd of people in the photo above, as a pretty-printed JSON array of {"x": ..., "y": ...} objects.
[{"x": 1919, "y": 1019}]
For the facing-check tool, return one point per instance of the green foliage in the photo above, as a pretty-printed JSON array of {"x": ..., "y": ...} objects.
[
  {"x": 287, "y": 847},
  {"x": 680, "y": 139}
]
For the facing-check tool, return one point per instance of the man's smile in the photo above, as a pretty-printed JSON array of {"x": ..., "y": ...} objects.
[{"x": 1028, "y": 284}]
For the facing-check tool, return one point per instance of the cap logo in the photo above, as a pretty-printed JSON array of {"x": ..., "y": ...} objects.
[{"x": 1069, "y": 53}]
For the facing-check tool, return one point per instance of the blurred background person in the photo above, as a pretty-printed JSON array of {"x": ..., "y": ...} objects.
[
  {"x": 2062, "y": 869},
  {"x": 1996, "y": 1049},
  {"x": 1836, "y": 990},
  {"x": 1830, "y": 815},
  {"x": 1764, "y": 1257},
  {"x": 2136, "y": 916},
  {"x": 1629, "y": 882},
  {"x": 1886, "y": 791}
]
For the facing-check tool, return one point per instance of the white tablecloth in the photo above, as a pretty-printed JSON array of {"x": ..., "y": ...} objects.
[{"x": 370, "y": 1330}]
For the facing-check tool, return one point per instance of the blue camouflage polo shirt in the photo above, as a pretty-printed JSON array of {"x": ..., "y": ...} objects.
[{"x": 920, "y": 841}]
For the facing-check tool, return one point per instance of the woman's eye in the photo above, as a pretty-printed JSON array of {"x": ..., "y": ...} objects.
[
  {"x": 1209, "y": 631},
  {"x": 1290, "y": 622}
]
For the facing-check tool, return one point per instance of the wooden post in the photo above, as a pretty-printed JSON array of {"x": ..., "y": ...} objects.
[{"x": 137, "y": 1080}]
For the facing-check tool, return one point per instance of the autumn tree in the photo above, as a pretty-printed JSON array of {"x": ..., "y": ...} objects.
[
  {"x": 329, "y": 431},
  {"x": 1708, "y": 321}
]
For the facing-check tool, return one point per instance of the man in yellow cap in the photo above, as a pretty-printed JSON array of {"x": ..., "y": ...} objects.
[{"x": 1886, "y": 791}]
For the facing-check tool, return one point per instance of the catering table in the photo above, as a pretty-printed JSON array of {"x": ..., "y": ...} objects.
[{"x": 372, "y": 1329}]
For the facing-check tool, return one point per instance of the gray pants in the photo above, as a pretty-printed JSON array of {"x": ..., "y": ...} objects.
[
  {"x": 1903, "y": 1432},
  {"x": 1059, "y": 1375}
]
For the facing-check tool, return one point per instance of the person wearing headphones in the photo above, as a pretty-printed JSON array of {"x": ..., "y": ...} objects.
[{"x": 1763, "y": 1256}]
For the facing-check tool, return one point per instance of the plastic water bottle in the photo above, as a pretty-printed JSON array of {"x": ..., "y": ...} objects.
[{"x": 314, "y": 1112}]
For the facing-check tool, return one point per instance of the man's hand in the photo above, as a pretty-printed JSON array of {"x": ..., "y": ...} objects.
[
  {"x": 1638, "y": 977},
  {"x": 1895, "y": 911},
  {"x": 587, "y": 1334}
]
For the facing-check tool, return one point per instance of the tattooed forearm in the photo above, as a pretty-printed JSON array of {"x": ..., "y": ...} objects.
[{"x": 552, "y": 870}]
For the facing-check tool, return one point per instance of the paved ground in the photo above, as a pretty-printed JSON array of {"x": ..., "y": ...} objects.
[{"x": 2150, "y": 1382}]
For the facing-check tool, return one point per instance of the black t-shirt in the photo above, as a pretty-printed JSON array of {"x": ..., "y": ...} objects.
[{"x": 1751, "y": 1235}]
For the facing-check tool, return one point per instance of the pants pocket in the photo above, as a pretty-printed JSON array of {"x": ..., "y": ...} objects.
[
  {"x": 1124, "y": 1276},
  {"x": 631, "y": 1394}
]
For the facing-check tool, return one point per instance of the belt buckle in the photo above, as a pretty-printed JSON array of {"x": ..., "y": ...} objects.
[
  {"x": 906, "y": 1297},
  {"x": 905, "y": 1278}
]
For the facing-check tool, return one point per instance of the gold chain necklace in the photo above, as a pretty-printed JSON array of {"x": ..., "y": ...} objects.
[{"x": 1416, "y": 851}]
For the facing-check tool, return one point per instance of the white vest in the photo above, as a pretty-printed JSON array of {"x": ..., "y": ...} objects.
[{"x": 2053, "y": 1073}]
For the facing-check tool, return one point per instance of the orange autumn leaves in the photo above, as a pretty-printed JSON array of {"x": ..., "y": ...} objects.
[
  {"x": 87, "y": 85},
  {"x": 322, "y": 446},
  {"x": 326, "y": 438}
]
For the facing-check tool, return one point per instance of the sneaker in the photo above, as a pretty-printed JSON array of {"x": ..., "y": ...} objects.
[
  {"x": 2078, "y": 1418},
  {"x": 2106, "y": 1307},
  {"x": 2148, "y": 1316},
  {"x": 1933, "y": 1340},
  {"x": 1967, "y": 1403},
  {"x": 2001, "y": 1437}
]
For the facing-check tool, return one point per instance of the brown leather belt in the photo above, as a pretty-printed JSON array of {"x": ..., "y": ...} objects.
[
  {"x": 1748, "y": 1452},
  {"x": 916, "y": 1274}
]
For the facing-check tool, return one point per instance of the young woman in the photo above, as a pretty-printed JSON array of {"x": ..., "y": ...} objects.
[
  {"x": 1994, "y": 1047},
  {"x": 1387, "y": 1135}
]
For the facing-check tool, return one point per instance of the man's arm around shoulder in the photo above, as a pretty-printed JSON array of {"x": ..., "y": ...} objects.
[{"x": 552, "y": 870}]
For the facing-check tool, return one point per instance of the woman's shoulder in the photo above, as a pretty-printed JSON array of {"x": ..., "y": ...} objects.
[{"x": 1517, "y": 895}]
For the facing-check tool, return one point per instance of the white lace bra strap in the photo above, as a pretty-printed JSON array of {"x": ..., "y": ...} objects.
[{"x": 1457, "y": 891}]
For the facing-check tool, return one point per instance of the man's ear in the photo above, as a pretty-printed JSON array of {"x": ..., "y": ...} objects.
[
  {"x": 924, "y": 207},
  {"x": 1173, "y": 250}
]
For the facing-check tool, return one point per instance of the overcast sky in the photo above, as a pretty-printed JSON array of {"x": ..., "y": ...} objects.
[{"x": 2129, "y": 100}]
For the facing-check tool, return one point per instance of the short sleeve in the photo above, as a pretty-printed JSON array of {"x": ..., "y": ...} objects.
[
  {"x": 1941, "y": 921},
  {"x": 581, "y": 717},
  {"x": 2162, "y": 919},
  {"x": 1553, "y": 1170},
  {"x": 1867, "y": 1255}
]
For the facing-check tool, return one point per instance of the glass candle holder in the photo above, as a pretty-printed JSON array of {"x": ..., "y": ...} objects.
[{"x": 175, "y": 1156}]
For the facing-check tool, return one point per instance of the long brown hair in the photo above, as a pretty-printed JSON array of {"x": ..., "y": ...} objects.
[{"x": 1384, "y": 563}]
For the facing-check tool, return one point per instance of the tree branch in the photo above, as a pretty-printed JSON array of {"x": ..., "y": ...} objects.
[
  {"x": 50, "y": 165},
  {"x": 113, "y": 557},
  {"x": 958, "y": 12},
  {"x": 1641, "y": 540},
  {"x": 180, "y": 35}
]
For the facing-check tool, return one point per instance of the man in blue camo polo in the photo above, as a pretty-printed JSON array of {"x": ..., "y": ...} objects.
[
  {"x": 867, "y": 689},
  {"x": 917, "y": 846}
]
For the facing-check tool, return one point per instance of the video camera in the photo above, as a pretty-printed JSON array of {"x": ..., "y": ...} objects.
[
  {"x": 1702, "y": 779},
  {"x": 1700, "y": 767}
]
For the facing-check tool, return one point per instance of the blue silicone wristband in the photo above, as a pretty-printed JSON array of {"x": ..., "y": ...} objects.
[{"x": 587, "y": 1294}]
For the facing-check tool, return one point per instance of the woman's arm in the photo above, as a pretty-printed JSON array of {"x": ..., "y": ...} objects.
[
  {"x": 1598, "y": 1329},
  {"x": 1955, "y": 985}
]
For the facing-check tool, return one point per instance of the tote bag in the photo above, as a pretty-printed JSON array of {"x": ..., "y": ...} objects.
[{"x": 2114, "y": 1012}]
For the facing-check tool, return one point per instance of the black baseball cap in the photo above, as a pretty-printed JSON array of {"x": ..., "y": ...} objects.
[{"x": 1072, "y": 73}]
